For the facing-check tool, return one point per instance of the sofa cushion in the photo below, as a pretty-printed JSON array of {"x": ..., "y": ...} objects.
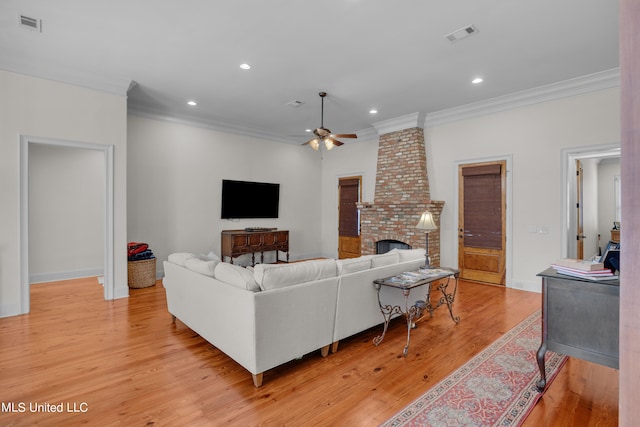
[
  {"x": 180, "y": 257},
  {"x": 353, "y": 265},
  {"x": 272, "y": 276},
  {"x": 236, "y": 276},
  {"x": 201, "y": 266},
  {"x": 409, "y": 254},
  {"x": 389, "y": 258}
]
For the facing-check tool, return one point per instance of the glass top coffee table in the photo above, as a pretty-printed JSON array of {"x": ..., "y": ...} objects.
[{"x": 413, "y": 279}]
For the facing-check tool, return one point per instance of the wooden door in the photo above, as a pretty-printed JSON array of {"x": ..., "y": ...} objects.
[
  {"x": 349, "y": 191},
  {"x": 482, "y": 222},
  {"x": 579, "y": 210}
]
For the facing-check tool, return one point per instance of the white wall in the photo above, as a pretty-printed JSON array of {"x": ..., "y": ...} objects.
[
  {"x": 534, "y": 135},
  {"x": 175, "y": 179},
  {"x": 39, "y": 107},
  {"x": 355, "y": 158},
  {"x": 66, "y": 212}
]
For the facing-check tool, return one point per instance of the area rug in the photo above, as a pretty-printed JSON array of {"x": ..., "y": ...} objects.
[{"x": 495, "y": 388}]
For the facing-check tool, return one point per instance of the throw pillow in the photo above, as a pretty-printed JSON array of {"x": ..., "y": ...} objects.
[
  {"x": 353, "y": 265},
  {"x": 389, "y": 258},
  {"x": 236, "y": 275},
  {"x": 211, "y": 256},
  {"x": 201, "y": 266},
  {"x": 409, "y": 254},
  {"x": 273, "y": 276},
  {"x": 180, "y": 257}
]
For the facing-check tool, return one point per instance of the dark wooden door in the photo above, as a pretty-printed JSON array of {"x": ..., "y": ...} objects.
[
  {"x": 482, "y": 222},
  {"x": 349, "y": 190}
]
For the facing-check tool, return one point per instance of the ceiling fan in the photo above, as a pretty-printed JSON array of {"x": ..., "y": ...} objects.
[{"x": 324, "y": 135}]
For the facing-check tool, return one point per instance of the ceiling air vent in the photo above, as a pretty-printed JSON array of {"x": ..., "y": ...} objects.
[
  {"x": 30, "y": 23},
  {"x": 295, "y": 103},
  {"x": 461, "y": 33}
]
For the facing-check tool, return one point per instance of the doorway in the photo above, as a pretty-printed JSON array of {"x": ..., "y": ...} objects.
[
  {"x": 349, "y": 195},
  {"x": 29, "y": 141},
  {"x": 580, "y": 236},
  {"x": 571, "y": 158},
  {"x": 482, "y": 221}
]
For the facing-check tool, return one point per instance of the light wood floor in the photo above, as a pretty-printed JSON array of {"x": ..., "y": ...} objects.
[{"x": 124, "y": 362}]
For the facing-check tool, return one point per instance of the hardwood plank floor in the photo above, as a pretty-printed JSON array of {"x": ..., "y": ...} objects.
[{"x": 124, "y": 362}]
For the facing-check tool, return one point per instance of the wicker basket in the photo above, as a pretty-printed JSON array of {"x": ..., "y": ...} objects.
[{"x": 141, "y": 274}]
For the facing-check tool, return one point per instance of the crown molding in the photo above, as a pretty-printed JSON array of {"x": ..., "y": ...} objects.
[
  {"x": 116, "y": 86},
  {"x": 210, "y": 124},
  {"x": 120, "y": 86},
  {"x": 572, "y": 87},
  {"x": 367, "y": 134},
  {"x": 408, "y": 121}
]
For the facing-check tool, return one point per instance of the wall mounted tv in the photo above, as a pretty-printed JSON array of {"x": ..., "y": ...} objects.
[{"x": 245, "y": 199}]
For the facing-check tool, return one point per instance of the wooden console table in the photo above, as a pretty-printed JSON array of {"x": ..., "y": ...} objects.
[
  {"x": 579, "y": 318},
  {"x": 240, "y": 242}
]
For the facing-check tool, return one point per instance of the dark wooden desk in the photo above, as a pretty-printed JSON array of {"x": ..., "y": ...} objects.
[
  {"x": 580, "y": 318},
  {"x": 240, "y": 242}
]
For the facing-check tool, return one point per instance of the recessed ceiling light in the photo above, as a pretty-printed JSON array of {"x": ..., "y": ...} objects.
[
  {"x": 307, "y": 130},
  {"x": 245, "y": 66},
  {"x": 192, "y": 103},
  {"x": 373, "y": 111},
  {"x": 477, "y": 80}
]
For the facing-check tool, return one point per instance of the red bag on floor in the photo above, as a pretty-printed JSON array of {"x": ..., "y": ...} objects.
[{"x": 136, "y": 247}]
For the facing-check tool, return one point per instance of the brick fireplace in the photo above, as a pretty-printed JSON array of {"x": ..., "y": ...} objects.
[{"x": 401, "y": 195}]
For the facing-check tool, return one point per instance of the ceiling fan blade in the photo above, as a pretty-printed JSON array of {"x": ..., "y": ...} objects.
[
  {"x": 337, "y": 143},
  {"x": 344, "y": 135}
]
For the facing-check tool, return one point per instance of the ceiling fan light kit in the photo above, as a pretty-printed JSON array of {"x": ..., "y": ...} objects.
[{"x": 324, "y": 135}]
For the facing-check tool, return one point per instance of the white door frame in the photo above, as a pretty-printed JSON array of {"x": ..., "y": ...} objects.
[
  {"x": 508, "y": 215},
  {"x": 25, "y": 142},
  {"x": 568, "y": 183}
]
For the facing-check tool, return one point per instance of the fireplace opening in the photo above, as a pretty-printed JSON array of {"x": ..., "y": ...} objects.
[{"x": 384, "y": 246}]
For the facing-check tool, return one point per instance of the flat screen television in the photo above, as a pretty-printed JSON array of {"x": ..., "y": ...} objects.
[{"x": 245, "y": 199}]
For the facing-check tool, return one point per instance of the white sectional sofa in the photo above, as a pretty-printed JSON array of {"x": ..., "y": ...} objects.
[{"x": 271, "y": 314}]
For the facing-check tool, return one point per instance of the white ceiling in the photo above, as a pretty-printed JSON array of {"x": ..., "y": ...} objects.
[{"x": 388, "y": 55}]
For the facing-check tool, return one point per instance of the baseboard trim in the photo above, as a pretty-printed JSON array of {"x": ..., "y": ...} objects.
[
  {"x": 527, "y": 286},
  {"x": 9, "y": 310},
  {"x": 121, "y": 292},
  {"x": 65, "y": 275}
]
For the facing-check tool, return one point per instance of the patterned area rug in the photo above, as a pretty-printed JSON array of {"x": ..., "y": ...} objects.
[{"x": 495, "y": 388}]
